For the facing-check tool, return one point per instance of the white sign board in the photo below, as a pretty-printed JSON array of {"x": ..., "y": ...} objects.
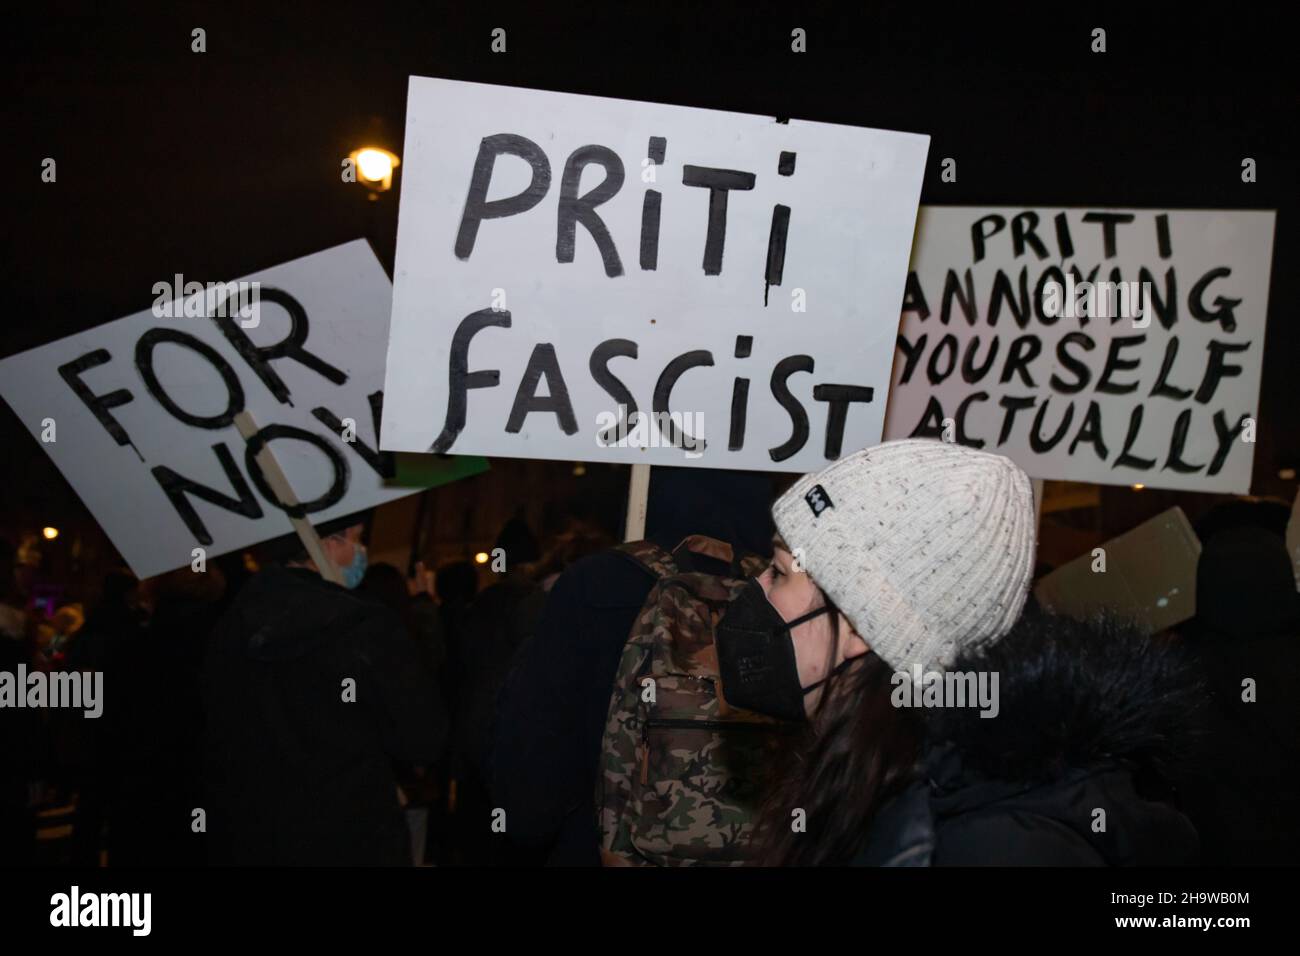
[
  {"x": 731, "y": 279},
  {"x": 138, "y": 414},
  {"x": 1146, "y": 575},
  {"x": 1162, "y": 389}
]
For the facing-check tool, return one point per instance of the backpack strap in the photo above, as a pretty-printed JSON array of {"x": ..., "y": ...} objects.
[
  {"x": 743, "y": 564},
  {"x": 651, "y": 558},
  {"x": 705, "y": 546},
  {"x": 662, "y": 564}
]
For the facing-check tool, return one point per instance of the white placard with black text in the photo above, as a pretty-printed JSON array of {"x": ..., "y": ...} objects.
[
  {"x": 1161, "y": 390},
  {"x": 733, "y": 278},
  {"x": 140, "y": 411}
]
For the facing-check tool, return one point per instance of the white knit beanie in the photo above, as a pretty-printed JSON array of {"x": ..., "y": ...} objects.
[{"x": 926, "y": 546}]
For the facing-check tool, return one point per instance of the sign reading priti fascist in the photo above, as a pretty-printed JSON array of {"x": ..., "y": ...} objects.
[{"x": 599, "y": 279}]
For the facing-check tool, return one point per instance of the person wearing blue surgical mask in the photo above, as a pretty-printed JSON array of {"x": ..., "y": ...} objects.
[
  {"x": 312, "y": 692},
  {"x": 346, "y": 552}
]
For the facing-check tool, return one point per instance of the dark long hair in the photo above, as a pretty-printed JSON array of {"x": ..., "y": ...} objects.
[{"x": 857, "y": 752}]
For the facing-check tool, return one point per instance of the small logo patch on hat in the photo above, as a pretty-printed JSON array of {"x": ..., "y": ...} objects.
[{"x": 818, "y": 500}]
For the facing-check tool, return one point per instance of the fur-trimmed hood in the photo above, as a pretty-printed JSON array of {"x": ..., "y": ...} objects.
[
  {"x": 1074, "y": 695},
  {"x": 1091, "y": 720}
]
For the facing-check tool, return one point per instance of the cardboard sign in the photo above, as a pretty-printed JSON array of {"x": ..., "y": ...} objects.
[
  {"x": 139, "y": 414},
  {"x": 1102, "y": 345},
  {"x": 595, "y": 279},
  {"x": 1147, "y": 575}
]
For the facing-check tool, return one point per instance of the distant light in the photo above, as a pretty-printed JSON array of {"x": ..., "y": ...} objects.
[
  {"x": 375, "y": 167},
  {"x": 1287, "y": 474},
  {"x": 579, "y": 469},
  {"x": 481, "y": 557},
  {"x": 375, "y": 164},
  {"x": 50, "y": 533},
  {"x": 1139, "y": 486}
]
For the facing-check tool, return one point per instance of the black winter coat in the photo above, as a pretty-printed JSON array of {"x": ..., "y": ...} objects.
[
  {"x": 499, "y": 620},
  {"x": 552, "y": 708},
  {"x": 1243, "y": 789},
  {"x": 1070, "y": 772},
  {"x": 295, "y": 774}
]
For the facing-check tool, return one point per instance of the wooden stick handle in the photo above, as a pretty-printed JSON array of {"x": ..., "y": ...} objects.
[
  {"x": 638, "y": 492},
  {"x": 280, "y": 485}
]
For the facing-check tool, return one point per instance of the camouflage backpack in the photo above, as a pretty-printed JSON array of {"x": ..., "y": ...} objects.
[{"x": 681, "y": 773}]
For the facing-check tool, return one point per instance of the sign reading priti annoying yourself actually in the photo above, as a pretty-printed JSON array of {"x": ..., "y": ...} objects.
[
  {"x": 1118, "y": 346},
  {"x": 596, "y": 279}
]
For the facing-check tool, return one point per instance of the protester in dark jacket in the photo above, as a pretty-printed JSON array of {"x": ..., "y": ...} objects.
[
  {"x": 22, "y": 743},
  {"x": 1073, "y": 768},
  {"x": 387, "y": 585},
  {"x": 499, "y": 619},
  {"x": 310, "y": 694},
  {"x": 90, "y": 752},
  {"x": 156, "y": 722},
  {"x": 1244, "y": 790},
  {"x": 552, "y": 710}
]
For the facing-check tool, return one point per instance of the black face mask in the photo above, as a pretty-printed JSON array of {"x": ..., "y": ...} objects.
[{"x": 756, "y": 656}]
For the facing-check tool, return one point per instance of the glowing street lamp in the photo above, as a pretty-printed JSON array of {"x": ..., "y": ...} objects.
[
  {"x": 375, "y": 166},
  {"x": 481, "y": 557},
  {"x": 50, "y": 533}
]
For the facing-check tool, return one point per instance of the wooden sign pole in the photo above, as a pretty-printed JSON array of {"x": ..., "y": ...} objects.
[
  {"x": 275, "y": 477},
  {"x": 1038, "y": 504},
  {"x": 638, "y": 493}
]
